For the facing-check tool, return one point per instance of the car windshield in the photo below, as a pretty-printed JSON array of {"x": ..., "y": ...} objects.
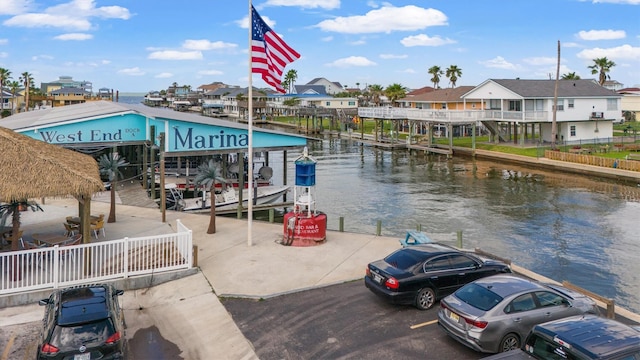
[
  {"x": 478, "y": 296},
  {"x": 402, "y": 259},
  {"x": 89, "y": 334}
]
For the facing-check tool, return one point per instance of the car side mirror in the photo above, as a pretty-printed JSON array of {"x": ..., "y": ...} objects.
[
  {"x": 119, "y": 292},
  {"x": 43, "y": 302}
]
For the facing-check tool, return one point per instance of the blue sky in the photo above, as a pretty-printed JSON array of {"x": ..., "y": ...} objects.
[{"x": 143, "y": 45}]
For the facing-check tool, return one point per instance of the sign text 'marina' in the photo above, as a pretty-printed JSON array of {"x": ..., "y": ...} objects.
[{"x": 189, "y": 141}]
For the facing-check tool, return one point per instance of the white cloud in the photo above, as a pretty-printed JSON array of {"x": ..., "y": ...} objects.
[
  {"x": 327, "y": 38},
  {"x": 164, "y": 75},
  {"x": 425, "y": 40},
  {"x": 541, "y": 60},
  {"x": 14, "y": 7},
  {"x": 602, "y": 35},
  {"x": 308, "y": 4},
  {"x": 48, "y": 20},
  {"x": 352, "y": 61},
  {"x": 134, "y": 71},
  {"x": 75, "y": 15},
  {"x": 570, "y": 45},
  {"x": 210, "y": 72},
  {"x": 105, "y": 62},
  {"x": 358, "y": 42},
  {"x": 621, "y": 52},
  {"x": 207, "y": 45},
  {"x": 499, "y": 63},
  {"x": 73, "y": 36},
  {"x": 3, "y": 54},
  {"x": 4, "y": 41},
  {"x": 175, "y": 55},
  {"x": 393, "y": 56},
  {"x": 407, "y": 71},
  {"x": 385, "y": 20},
  {"x": 43, "y": 57},
  {"x": 624, "y": 2}
]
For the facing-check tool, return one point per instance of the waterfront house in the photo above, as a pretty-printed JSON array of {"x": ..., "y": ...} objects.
[
  {"x": 440, "y": 99},
  {"x": 69, "y": 96},
  {"x": 630, "y": 103},
  {"x": 331, "y": 87},
  {"x": 517, "y": 109}
]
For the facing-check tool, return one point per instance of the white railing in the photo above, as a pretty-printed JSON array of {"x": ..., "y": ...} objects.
[
  {"x": 451, "y": 116},
  {"x": 61, "y": 266}
]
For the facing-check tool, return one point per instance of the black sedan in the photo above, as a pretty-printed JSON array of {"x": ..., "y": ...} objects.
[{"x": 420, "y": 274}]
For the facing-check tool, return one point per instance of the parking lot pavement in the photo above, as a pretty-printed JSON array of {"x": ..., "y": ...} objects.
[{"x": 344, "y": 321}]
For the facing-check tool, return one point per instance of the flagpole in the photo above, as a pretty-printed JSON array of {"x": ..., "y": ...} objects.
[{"x": 250, "y": 149}]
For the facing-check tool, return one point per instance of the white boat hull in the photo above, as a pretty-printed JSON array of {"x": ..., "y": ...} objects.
[{"x": 228, "y": 199}]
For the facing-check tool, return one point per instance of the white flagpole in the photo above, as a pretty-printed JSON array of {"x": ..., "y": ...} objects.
[{"x": 250, "y": 149}]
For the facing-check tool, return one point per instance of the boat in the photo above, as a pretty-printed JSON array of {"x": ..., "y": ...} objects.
[{"x": 228, "y": 198}]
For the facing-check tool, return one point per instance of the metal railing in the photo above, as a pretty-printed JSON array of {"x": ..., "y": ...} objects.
[
  {"x": 452, "y": 116},
  {"x": 62, "y": 266}
]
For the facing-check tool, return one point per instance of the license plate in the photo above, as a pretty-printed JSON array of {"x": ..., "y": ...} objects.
[
  {"x": 453, "y": 316},
  {"x": 377, "y": 278},
  {"x": 86, "y": 356}
]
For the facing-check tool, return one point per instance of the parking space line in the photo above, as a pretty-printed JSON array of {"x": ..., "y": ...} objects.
[
  {"x": 423, "y": 324},
  {"x": 5, "y": 353}
]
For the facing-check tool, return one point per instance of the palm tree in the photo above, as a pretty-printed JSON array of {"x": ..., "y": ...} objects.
[
  {"x": 375, "y": 91},
  {"x": 395, "y": 92},
  {"x": 436, "y": 72},
  {"x": 110, "y": 165},
  {"x": 5, "y": 75},
  {"x": 290, "y": 78},
  {"x": 14, "y": 86},
  {"x": 453, "y": 72},
  {"x": 26, "y": 79},
  {"x": 570, "y": 76},
  {"x": 208, "y": 175},
  {"x": 602, "y": 66},
  {"x": 12, "y": 209}
]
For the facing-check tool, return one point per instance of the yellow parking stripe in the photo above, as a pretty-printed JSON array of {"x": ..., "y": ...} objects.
[
  {"x": 423, "y": 324},
  {"x": 5, "y": 353}
]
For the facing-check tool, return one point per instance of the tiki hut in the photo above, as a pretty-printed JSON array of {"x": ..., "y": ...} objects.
[{"x": 30, "y": 168}]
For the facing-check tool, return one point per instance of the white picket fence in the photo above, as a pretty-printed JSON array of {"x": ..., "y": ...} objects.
[{"x": 62, "y": 266}]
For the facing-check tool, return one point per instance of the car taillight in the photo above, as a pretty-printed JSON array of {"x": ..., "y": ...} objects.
[
  {"x": 392, "y": 283},
  {"x": 368, "y": 272},
  {"x": 476, "y": 323},
  {"x": 113, "y": 338},
  {"x": 49, "y": 349}
]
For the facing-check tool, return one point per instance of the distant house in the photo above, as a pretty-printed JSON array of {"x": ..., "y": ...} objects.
[
  {"x": 631, "y": 101},
  {"x": 211, "y": 87},
  {"x": 440, "y": 99},
  {"x": 330, "y": 87},
  {"x": 585, "y": 110},
  {"x": 310, "y": 90},
  {"x": 613, "y": 85},
  {"x": 69, "y": 96},
  {"x": 65, "y": 82},
  {"x": 420, "y": 91}
]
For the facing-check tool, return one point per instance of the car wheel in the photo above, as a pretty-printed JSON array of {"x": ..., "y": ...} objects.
[
  {"x": 425, "y": 299},
  {"x": 510, "y": 341}
]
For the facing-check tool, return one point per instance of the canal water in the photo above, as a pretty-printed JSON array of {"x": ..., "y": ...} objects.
[{"x": 564, "y": 226}]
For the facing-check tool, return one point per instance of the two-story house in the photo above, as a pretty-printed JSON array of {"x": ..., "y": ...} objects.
[
  {"x": 585, "y": 111},
  {"x": 331, "y": 87}
]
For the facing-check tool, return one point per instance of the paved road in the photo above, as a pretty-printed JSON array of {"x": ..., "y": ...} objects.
[{"x": 343, "y": 321}]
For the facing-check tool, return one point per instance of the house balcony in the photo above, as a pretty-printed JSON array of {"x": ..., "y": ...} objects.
[{"x": 452, "y": 116}]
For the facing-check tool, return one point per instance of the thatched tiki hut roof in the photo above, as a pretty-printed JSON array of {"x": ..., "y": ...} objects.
[{"x": 30, "y": 168}]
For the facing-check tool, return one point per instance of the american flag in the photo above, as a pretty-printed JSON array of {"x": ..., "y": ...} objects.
[{"x": 269, "y": 53}]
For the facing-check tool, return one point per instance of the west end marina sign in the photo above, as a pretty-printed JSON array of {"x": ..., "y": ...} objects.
[{"x": 182, "y": 136}]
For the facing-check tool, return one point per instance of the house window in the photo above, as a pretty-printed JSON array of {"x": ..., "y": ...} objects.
[
  {"x": 560, "y": 105},
  {"x": 352, "y": 103},
  {"x": 572, "y": 130},
  {"x": 473, "y": 106},
  {"x": 570, "y": 104},
  {"x": 612, "y": 104},
  {"x": 443, "y": 106},
  {"x": 494, "y": 104},
  {"x": 515, "y": 105},
  {"x": 327, "y": 104}
]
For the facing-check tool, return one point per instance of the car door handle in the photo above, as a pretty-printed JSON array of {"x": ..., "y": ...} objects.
[
  {"x": 434, "y": 277},
  {"x": 517, "y": 320},
  {"x": 462, "y": 274},
  {"x": 547, "y": 314}
]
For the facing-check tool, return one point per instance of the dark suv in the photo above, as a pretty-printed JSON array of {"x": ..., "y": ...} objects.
[
  {"x": 579, "y": 338},
  {"x": 83, "y": 323}
]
